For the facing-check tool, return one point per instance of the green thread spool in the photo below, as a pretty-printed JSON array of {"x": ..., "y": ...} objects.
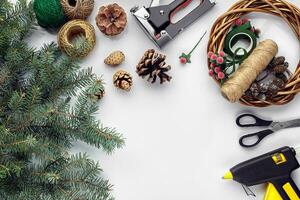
[
  {"x": 237, "y": 34},
  {"x": 49, "y": 13}
]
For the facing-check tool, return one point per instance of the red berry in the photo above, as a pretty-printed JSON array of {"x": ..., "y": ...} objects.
[
  {"x": 212, "y": 65},
  {"x": 214, "y": 57},
  {"x": 221, "y": 75},
  {"x": 222, "y": 53},
  {"x": 245, "y": 20},
  {"x": 217, "y": 70},
  {"x": 209, "y": 54},
  {"x": 183, "y": 60},
  {"x": 220, "y": 60},
  {"x": 239, "y": 22},
  {"x": 211, "y": 72}
]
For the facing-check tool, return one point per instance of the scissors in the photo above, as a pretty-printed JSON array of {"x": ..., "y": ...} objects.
[{"x": 271, "y": 127}]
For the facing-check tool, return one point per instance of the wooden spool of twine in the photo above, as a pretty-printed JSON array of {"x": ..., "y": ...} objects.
[
  {"x": 234, "y": 88},
  {"x": 73, "y": 29},
  {"x": 77, "y": 9},
  {"x": 281, "y": 8}
]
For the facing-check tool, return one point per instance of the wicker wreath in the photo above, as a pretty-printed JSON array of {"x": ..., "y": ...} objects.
[{"x": 281, "y": 8}]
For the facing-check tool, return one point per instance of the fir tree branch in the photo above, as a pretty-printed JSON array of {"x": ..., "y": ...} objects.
[
  {"x": 39, "y": 122},
  {"x": 14, "y": 143}
]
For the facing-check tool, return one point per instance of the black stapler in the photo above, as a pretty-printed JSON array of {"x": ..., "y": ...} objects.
[{"x": 156, "y": 19}]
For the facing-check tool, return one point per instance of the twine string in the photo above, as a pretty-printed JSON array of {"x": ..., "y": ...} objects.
[
  {"x": 234, "y": 88},
  {"x": 81, "y": 10},
  {"x": 76, "y": 28}
]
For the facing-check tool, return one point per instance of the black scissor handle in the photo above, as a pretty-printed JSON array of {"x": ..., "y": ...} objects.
[
  {"x": 259, "y": 136},
  {"x": 257, "y": 121}
]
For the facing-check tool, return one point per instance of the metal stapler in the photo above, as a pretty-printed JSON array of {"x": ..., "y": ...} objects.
[{"x": 156, "y": 19}]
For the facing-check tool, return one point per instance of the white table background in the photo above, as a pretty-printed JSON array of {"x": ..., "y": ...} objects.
[{"x": 180, "y": 137}]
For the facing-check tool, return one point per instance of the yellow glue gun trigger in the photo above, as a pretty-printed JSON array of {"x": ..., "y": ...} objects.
[{"x": 273, "y": 194}]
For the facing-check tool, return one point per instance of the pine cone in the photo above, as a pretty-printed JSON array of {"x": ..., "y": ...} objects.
[
  {"x": 123, "y": 80},
  {"x": 97, "y": 91},
  {"x": 100, "y": 94},
  {"x": 254, "y": 89},
  {"x": 282, "y": 77},
  {"x": 270, "y": 81},
  {"x": 111, "y": 19},
  {"x": 277, "y": 61},
  {"x": 280, "y": 69},
  {"x": 276, "y": 85},
  {"x": 153, "y": 65},
  {"x": 115, "y": 58}
]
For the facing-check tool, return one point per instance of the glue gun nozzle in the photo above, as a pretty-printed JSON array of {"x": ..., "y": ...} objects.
[{"x": 228, "y": 176}]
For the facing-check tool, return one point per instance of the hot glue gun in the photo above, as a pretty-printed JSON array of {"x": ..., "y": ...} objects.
[{"x": 273, "y": 168}]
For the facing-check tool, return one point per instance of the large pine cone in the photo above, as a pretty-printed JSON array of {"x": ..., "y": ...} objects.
[
  {"x": 153, "y": 65},
  {"x": 111, "y": 19}
]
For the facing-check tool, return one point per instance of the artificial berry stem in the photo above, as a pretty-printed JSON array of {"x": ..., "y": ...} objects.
[
  {"x": 186, "y": 58},
  {"x": 197, "y": 43}
]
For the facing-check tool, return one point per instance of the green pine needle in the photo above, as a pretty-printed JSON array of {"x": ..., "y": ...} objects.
[{"x": 45, "y": 106}]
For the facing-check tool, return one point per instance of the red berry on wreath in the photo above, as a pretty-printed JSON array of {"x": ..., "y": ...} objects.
[
  {"x": 220, "y": 60},
  {"x": 222, "y": 53},
  {"x": 214, "y": 57},
  {"x": 239, "y": 22},
  {"x": 217, "y": 70},
  {"x": 211, "y": 72},
  {"x": 209, "y": 54},
  {"x": 245, "y": 20},
  {"x": 221, "y": 75}
]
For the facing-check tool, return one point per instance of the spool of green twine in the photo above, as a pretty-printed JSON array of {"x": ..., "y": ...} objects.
[{"x": 49, "y": 13}]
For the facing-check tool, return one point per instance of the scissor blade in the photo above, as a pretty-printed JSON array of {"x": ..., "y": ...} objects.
[{"x": 288, "y": 124}]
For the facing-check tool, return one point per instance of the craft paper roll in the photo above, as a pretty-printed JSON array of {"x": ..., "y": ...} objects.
[{"x": 235, "y": 87}]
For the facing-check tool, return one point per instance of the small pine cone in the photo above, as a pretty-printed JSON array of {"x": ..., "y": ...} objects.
[
  {"x": 115, "y": 58},
  {"x": 97, "y": 91},
  {"x": 277, "y": 61},
  {"x": 154, "y": 66},
  {"x": 100, "y": 94},
  {"x": 253, "y": 91},
  {"x": 280, "y": 69},
  {"x": 282, "y": 77},
  {"x": 279, "y": 83},
  {"x": 274, "y": 87},
  {"x": 263, "y": 87},
  {"x": 123, "y": 80}
]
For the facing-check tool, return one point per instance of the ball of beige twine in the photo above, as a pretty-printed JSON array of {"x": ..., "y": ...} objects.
[
  {"x": 235, "y": 87},
  {"x": 76, "y": 28},
  {"x": 77, "y": 9}
]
